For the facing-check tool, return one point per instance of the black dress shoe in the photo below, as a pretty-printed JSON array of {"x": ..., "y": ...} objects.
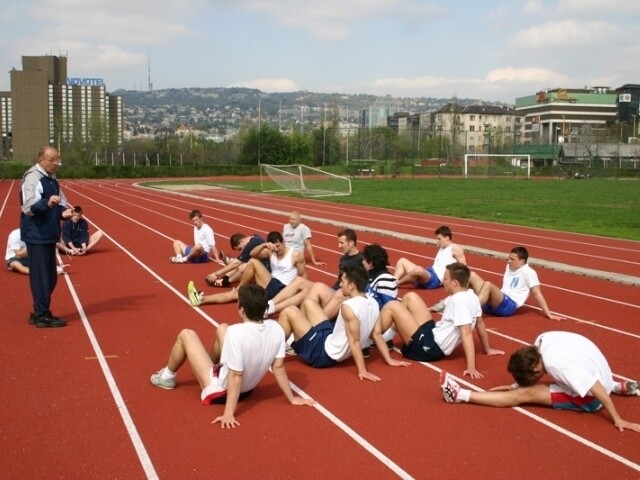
[{"x": 48, "y": 321}]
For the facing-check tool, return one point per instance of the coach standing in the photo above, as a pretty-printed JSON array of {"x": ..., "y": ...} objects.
[{"x": 43, "y": 207}]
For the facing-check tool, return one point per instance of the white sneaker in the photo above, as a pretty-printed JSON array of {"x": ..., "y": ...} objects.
[
  {"x": 438, "y": 307},
  {"x": 61, "y": 269},
  {"x": 450, "y": 388},
  {"x": 178, "y": 259},
  {"x": 271, "y": 309}
]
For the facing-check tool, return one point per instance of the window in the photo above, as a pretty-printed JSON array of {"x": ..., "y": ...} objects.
[
  {"x": 472, "y": 118},
  {"x": 472, "y": 128}
]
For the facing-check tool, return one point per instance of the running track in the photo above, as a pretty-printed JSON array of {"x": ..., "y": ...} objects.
[{"x": 78, "y": 403}]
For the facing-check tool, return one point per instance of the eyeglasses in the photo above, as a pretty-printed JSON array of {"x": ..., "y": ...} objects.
[{"x": 57, "y": 159}]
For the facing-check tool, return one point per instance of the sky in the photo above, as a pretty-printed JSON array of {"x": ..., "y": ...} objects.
[{"x": 486, "y": 49}]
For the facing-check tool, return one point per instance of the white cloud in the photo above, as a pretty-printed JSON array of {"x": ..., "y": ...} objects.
[
  {"x": 334, "y": 20},
  {"x": 564, "y": 34}
]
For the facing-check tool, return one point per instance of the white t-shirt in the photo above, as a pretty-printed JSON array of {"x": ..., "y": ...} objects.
[
  {"x": 366, "y": 310},
  {"x": 250, "y": 348},
  {"x": 574, "y": 362},
  {"x": 518, "y": 283},
  {"x": 14, "y": 242},
  {"x": 204, "y": 236},
  {"x": 443, "y": 258},
  {"x": 295, "y": 237},
  {"x": 462, "y": 308}
]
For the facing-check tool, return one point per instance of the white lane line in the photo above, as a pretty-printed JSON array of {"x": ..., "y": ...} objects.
[
  {"x": 379, "y": 455},
  {"x": 139, "y": 446},
  {"x": 557, "y": 428},
  {"x": 6, "y": 199},
  {"x": 143, "y": 456}
]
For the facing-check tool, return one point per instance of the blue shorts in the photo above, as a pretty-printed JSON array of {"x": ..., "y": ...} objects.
[
  {"x": 434, "y": 281},
  {"x": 311, "y": 346},
  {"x": 201, "y": 259},
  {"x": 273, "y": 288},
  {"x": 24, "y": 261},
  {"x": 423, "y": 347},
  {"x": 507, "y": 308}
]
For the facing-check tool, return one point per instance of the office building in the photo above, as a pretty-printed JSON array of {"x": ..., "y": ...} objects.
[{"x": 48, "y": 108}]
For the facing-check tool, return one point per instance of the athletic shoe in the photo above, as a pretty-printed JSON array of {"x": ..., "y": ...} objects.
[
  {"x": 366, "y": 352},
  {"x": 157, "y": 380},
  {"x": 178, "y": 259},
  {"x": 61, "y": 269},
  {"x": 195, "y": 297},
  {"x": 288, "y": 349},
  {"x": 450, "y": 387},
  {"x": 388, "y": 342},
  {"x": 438, "y": 307},
  {"x": 271, "y": 309},
  {"x": 47, "y": 320},
  {"x": 631, "y": 389}
]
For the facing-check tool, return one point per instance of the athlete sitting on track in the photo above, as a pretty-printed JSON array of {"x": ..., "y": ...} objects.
[
  {"x": 234, "y": 267},
  {"x": 519, "y": 280},
  {"x": 285, "y": 264},
  {"x": 582, "y": 379},
  {"x": 204, "y": 244},
  {"x": 431, "y": 277},
  {"x": 322, "y": 344},
  {"x": 75, "y": 234},
  {"x": 241, "y": 355},
  {"x": 425, "y": 340}
]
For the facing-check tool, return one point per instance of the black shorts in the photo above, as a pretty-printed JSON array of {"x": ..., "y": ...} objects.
[{"x": 423, "y": 347}]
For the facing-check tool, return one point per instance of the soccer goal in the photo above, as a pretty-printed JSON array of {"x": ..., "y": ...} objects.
[
  {"x": 496, "y": 165},
  {"x": 307, "y": 181}
]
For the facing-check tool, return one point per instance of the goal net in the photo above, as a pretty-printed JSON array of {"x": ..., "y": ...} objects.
[
  {"x": 496, "y": 165},
  {"x": 302, "y": 179}
]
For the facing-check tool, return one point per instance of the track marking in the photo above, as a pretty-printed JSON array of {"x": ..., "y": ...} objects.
[
  {"x": 138, "y": 445},
  {"x": 356, "y": 436},
  {"x": 557, "y": 428},
  {"x": 142, "y": 454}
]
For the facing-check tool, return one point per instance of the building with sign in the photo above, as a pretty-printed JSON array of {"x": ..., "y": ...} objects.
[
  {"x": 45, "y": 107},
  {"x": 562, "y": 115}
]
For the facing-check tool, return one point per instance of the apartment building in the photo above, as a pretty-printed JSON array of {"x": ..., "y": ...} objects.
[{"x": 479, "y": 128}]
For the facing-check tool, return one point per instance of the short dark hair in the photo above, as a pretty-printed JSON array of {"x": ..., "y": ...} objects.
[
  {"x": 195, "y": 213},
  {"x": 349, "y": 234},
  {"x": 77, "y": 209},
  {"x": 235, "y": 239},
  {"x": 356, "y": 274},
  {"x": 376, "y": 256},
  {"x": 275, "y": 237},
  {"x": 522, "y": 365},
  {"x": 460, "y": 273},
  {"x": 444, "y": 231},
  {"x": 253, "y": 298},
  {"x": 521, "y": 252}
]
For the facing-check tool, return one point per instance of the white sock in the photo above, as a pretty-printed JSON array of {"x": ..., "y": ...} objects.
[
  {"x": 167, "y": 374},
  {"x": 464, "y": 395}
]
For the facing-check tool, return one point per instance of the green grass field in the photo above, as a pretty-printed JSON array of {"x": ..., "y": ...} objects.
[{"x": 594, "y": 206}]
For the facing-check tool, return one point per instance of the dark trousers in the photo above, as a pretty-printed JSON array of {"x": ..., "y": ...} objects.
[{"x": 43, "y": 275}]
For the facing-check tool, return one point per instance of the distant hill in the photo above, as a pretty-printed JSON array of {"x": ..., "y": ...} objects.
[{"x": 247, "y": 99}]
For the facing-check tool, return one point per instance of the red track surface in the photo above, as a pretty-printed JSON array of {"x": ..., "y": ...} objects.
[{"x": 78, "y": 403}]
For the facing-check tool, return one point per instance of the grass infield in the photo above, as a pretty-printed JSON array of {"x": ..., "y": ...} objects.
[{"x": 609, "y": 208}]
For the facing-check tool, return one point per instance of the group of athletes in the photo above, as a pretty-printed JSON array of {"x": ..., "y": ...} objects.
[{"x": 324, "y": 325}]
